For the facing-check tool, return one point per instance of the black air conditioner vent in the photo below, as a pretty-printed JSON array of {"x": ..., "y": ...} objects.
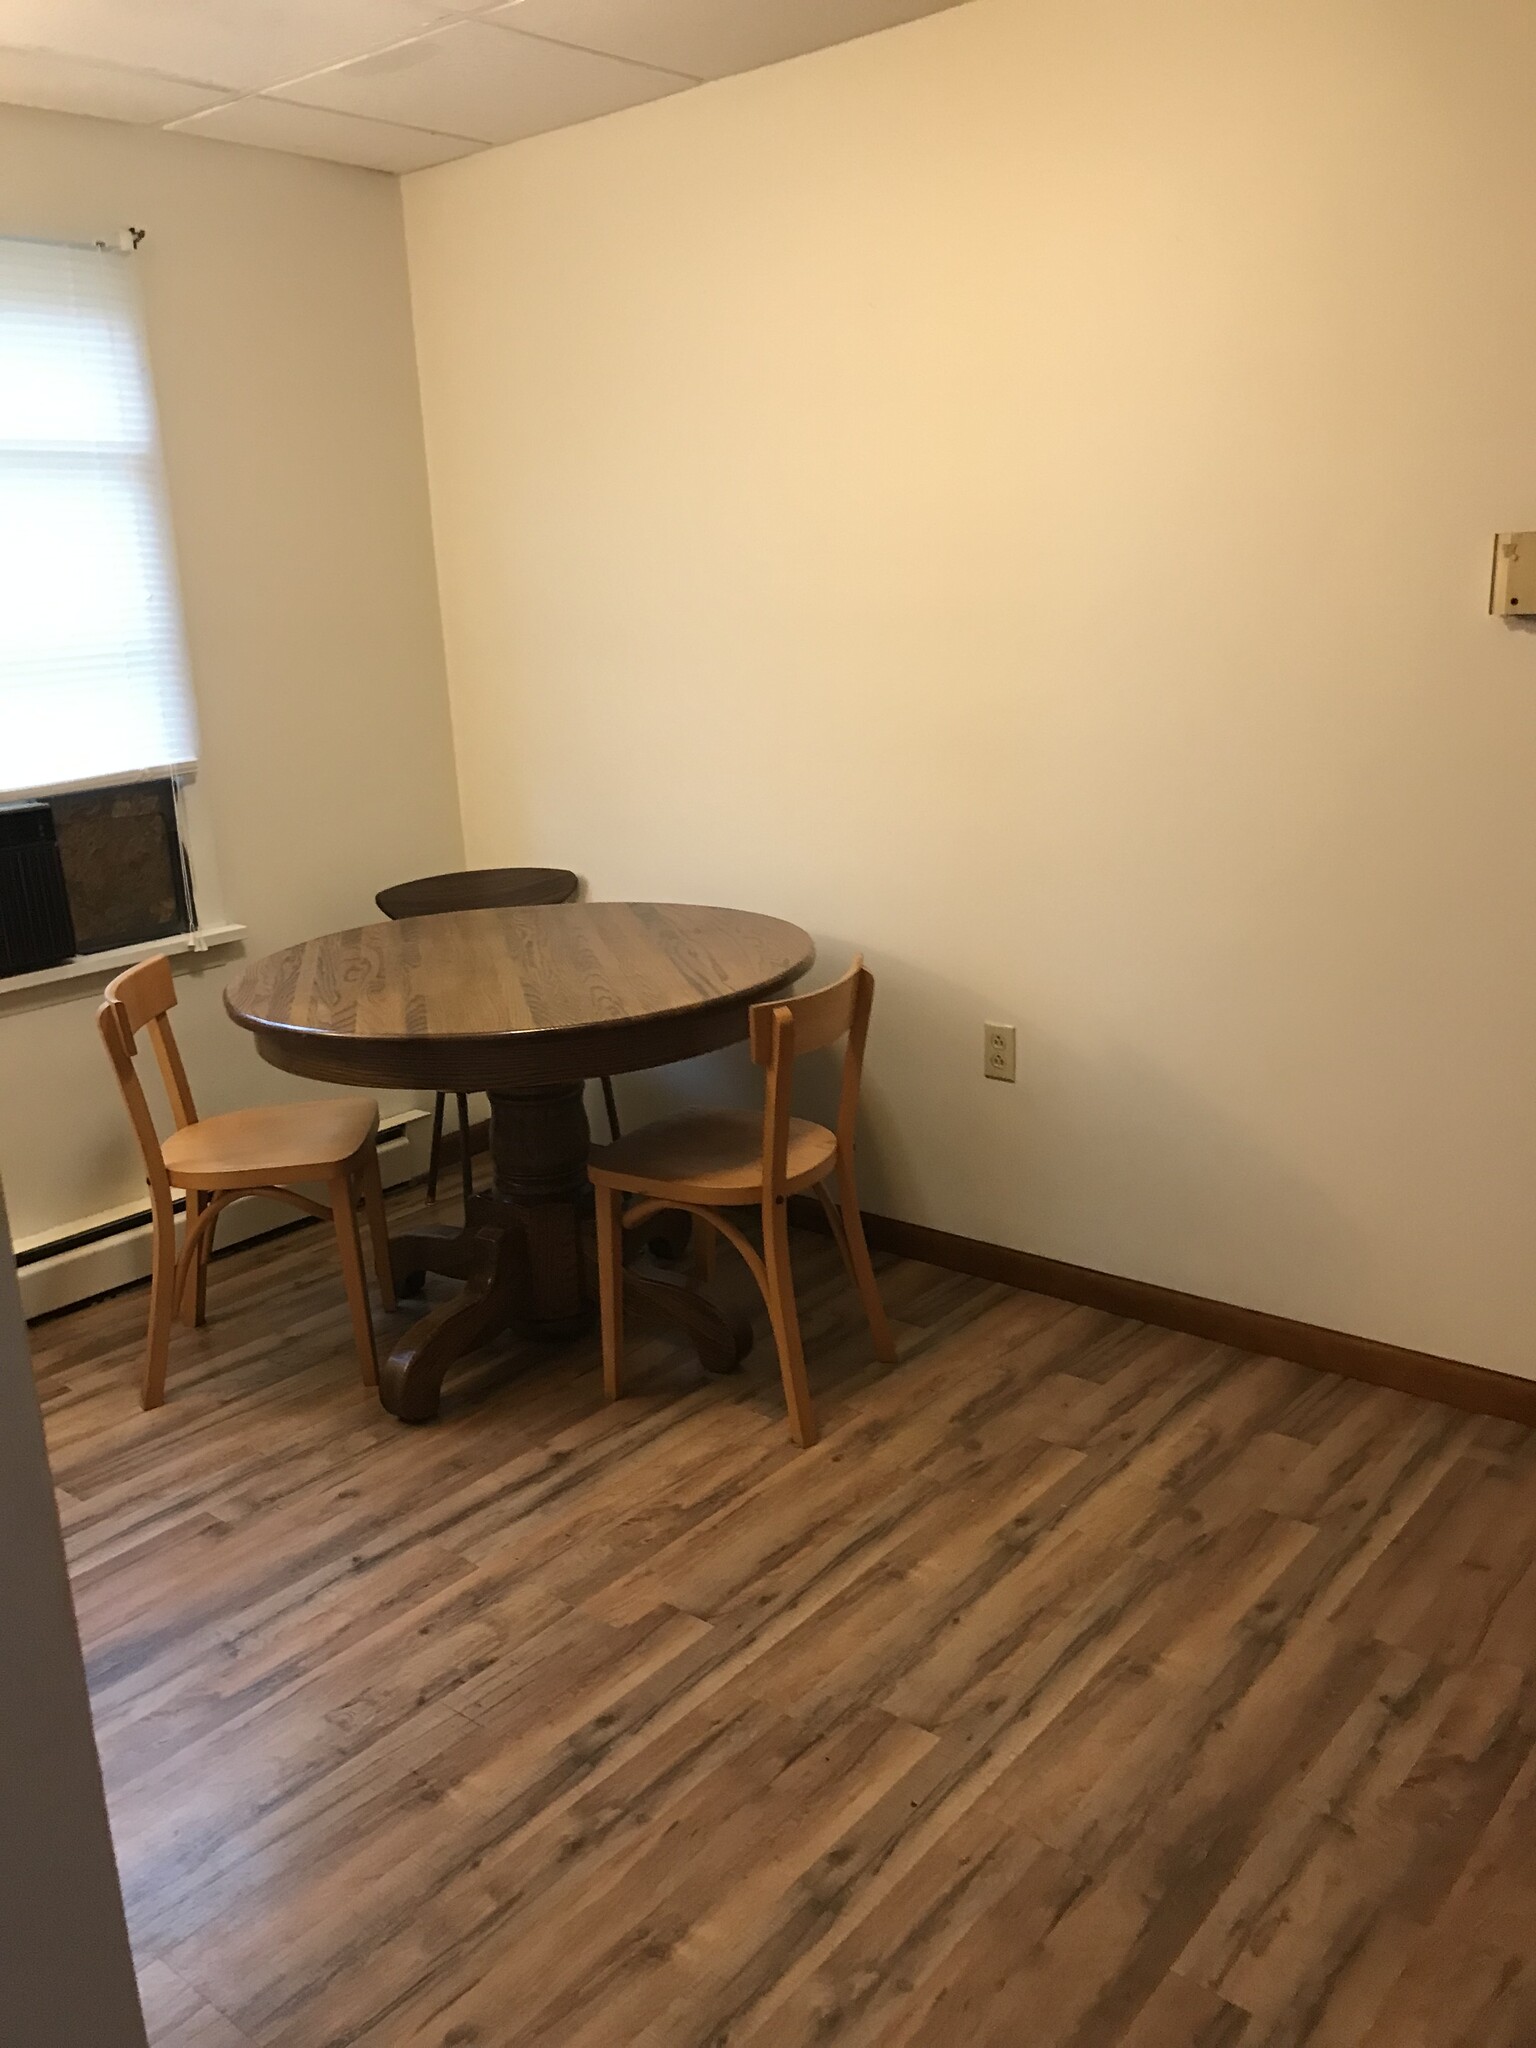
[{"x": 36, "y": 929}]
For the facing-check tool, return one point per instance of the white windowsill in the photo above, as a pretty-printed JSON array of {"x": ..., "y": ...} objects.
[{"x": 85, "y": 965}]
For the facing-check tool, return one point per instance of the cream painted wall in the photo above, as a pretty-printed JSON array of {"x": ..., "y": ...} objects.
[
  {"x": 1016, "y": 494},
  {"x": 279, "y": 329}
]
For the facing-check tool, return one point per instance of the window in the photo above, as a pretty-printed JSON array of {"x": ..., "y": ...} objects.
[
  {"x": 93, "y": 685},
  {"x": 96, "y": 720}
]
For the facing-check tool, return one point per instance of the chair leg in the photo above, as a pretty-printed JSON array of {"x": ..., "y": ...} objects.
[
  {"x": 611, "y": 1107},
  {"x": 466, "y": 1159},
  {"x": 343, "y": 1196},
  {"x": 785, "y": 1318},
  {"x": 833, "y": 1214},
  {"x": 378, "y": 1227},
  {"x": 162, "y": 1305},
  {"x": 610, "y": 1286},
  {"x": 435, "y": 1154},
  {"x": 856, "y": 1252},
  {"x": 194, "y": 1302}
]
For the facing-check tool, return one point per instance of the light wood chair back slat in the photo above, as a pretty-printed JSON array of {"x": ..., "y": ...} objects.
[
  {"x": 143, "y": 992},
  {"x": 141, "y": 999},
  {"x": 138, "y": 1001},
  {"x": 782, "y": 1031},
  {"x": 173, "y": 1075},
  {"x": 778, "y": 1100},
  {"x": 821, "y": 1017},
  {"x": 114, "y": 1021}
]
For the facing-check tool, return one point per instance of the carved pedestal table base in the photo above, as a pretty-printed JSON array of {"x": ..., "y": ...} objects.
[{"x": 521, "y": 1259}]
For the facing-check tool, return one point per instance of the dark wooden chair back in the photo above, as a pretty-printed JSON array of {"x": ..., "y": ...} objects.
[{"x": 477, "y": 889}]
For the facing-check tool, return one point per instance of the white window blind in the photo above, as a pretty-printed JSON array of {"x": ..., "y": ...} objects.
[{"x": 93, "y": 682}]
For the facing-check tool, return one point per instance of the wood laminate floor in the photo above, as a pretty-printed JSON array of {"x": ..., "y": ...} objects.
[{"x": 1086, "y": 1687}]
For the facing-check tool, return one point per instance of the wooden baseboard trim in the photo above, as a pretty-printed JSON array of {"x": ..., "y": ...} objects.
[{"x": 1473, "y": 1387}]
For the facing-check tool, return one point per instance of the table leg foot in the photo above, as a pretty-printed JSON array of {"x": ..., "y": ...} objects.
[
  {"x": 411, "y": 1379},
  {"x": 722, "y": 1339},
  {"x": 415, "y": 1253}
]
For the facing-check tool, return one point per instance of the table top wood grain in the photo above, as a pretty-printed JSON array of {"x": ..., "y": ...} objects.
[{"x": 513, "y": 998}]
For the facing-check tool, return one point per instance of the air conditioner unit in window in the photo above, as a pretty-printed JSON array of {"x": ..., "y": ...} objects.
[{"x": 36, "y": 929}]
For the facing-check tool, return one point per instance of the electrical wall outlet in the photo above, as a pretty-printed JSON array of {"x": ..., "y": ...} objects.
[
  {"x": 1514, "y": 576},
  {"x": 998, "y": 1058}
]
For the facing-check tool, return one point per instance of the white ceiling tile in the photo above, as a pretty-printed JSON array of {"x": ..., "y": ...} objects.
[
  {"x": 432, "y": 77},
  {"x": 74, "y": 85},
  {"x": 339, "y": 138},
  {"x": 472, "y": 79},
  {"x": 708, "y": 38},
  {"x": 241, "y": 44}
]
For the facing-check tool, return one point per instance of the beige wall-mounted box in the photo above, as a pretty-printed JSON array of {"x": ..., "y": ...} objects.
[{"x": 1514, "y": 576}]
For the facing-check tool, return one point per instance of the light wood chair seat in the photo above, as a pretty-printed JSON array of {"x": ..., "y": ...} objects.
[
  {"x": 286, "y": 1141},
  {"x": 711, "y": 1156},
  {"x": 223, "y": 1159},
  {"x": 715, "y": 1160}
]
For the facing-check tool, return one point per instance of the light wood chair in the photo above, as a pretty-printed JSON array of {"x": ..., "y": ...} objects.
[
  {"x": 706, "y": 1162},
  {"x": 220, "y": 1159}
]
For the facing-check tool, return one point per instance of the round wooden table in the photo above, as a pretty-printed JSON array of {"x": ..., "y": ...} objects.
[{"x": 526, "y": 1005}]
